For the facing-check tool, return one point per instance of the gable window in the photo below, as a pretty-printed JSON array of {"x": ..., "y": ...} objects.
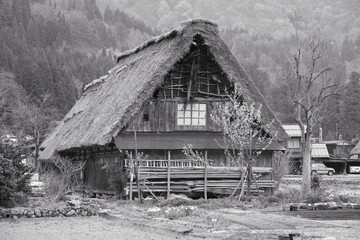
[{"x": 191, "y": 114}]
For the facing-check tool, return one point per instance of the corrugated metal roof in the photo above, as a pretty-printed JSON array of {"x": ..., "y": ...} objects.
[
  {"x": 337, "y": 142},
  {"x": 293, "y": 130},
  {"x": 319, "y": 150}
]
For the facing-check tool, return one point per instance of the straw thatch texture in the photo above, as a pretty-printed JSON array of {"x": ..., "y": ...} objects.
[
  {"x": 355, "y": 150},
  {"x": 108, "y": 105}
]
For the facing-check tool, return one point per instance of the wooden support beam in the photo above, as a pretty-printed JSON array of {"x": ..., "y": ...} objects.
[
  {"x": 168, "y": 176},
  {"x": 137, "y": 165},
  {"x": 205, "y": 177},
  {"x": 192, "y": 73},
  {"x": 131, "y": 176}
]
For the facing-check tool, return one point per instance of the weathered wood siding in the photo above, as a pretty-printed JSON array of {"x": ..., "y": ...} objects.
[
  {"x": 162, "y": 117},
  {"x": 265, "y": 159},
  {"x": 95, "y": 176},
  {"x": 196, "y": 78}
]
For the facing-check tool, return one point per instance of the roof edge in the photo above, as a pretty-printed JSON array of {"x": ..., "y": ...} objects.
[{"x": 184, "y": 25}]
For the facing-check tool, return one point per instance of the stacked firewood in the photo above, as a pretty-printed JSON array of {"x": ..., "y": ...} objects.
[{"x": 191, "y": 181}]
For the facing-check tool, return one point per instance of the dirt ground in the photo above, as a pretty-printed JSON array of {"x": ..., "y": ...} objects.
[
  {"x": 82, "y": 228},
  {"x": 133, "y": 223},
  {"x": 216, "y": 219}
]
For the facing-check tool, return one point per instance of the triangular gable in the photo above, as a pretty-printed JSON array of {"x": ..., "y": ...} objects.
[{"x": 106, "y": 108}]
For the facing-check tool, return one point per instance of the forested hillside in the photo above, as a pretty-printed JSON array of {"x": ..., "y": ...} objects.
[{"x": 55, "y": 47}]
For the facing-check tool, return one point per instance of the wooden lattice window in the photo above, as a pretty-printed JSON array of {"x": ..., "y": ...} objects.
[
  {"x": 191, "y": 114},
  {"x": 106, "y": 160},
  {"x": 196, "y": 75}
]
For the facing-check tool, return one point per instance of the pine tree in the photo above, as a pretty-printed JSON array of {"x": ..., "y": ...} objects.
[
  {"x": 108, "y": 15},
  {"x": 347, "y": 50},
  {"x": 103, "y": 52},
  {"x": 351, "y": 113},
  {"x": 32, "y": 34}
]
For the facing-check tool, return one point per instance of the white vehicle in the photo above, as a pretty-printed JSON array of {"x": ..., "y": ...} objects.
[
  {"x": 354, "y": 169},
  {"x": 36, "y": 184},
  {"x": 320, "y": 168}
]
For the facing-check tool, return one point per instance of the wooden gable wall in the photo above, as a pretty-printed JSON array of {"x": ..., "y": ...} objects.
[
  {"x": 162, "y": 117},
  {"x": 197, "y": 78}
]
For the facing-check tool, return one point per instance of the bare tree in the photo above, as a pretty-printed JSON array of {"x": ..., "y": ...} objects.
[
  {"x": 62, "y": 177},
  {"x": 310, "y": 84},
  {"x": 34, "y": 118},
  {"x": 242, "y": 126}
]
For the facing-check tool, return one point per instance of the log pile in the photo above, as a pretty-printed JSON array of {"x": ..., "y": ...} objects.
[{"x": 190, "y": 181}]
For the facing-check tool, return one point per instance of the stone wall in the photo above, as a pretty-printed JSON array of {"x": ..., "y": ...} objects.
[{"x": 73, "y": 208}]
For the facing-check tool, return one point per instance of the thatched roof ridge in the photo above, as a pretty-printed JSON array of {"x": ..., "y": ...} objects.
[
  {"x": 169, "y": 34},
  {"x": 95, "y": 82},
  {"x": 106, "y": 108},
  {"x": 147, "y": 44},
  {"x": 355, "y": 150}
]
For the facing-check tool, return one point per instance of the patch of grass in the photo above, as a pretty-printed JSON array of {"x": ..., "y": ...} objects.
[
  {"x": 217, "y": 221},
  {"x": 317, "y": 195},
  {"x": 177, "y": 200},
  {"x": 289, "y": 195},
  {"x": 179, "y": 212},
  {"x": 171, "y": 213},
  {"x": 231, "y": 202}
]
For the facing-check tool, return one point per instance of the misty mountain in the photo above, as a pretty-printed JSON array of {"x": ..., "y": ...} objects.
[{"x": 55, "y": 47}]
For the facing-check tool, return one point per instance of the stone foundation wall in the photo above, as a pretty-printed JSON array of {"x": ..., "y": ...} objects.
[
  {"x": 44, "y": 212},
  {"x": 74, "y": 208}
]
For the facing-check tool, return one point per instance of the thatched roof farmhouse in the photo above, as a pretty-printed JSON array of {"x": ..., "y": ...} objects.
[
  {"x": 157, "y": 99},
  {"x": 109, "y": 104}
]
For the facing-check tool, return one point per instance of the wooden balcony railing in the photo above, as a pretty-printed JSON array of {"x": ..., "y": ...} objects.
[{"x": 174, "y": 163}]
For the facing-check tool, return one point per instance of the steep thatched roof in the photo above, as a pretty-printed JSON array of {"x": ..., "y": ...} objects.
[
  {"x": 355, "y": 150},
  {"x": 108, "y": 105}
]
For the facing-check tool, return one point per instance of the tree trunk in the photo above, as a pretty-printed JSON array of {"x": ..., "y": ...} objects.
[
  {"x": 37, "y": 149},
  {"x": 249, "y": 168},
  {"x": 306, "y": 169}
]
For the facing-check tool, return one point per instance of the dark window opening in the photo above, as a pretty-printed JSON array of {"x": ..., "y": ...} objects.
[{"x": 146, "y": 117}]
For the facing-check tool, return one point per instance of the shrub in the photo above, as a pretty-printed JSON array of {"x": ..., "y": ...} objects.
[
  {"x": 282, "y": 165},
  {"x": 7, "y": 186},
  {"x": 217, "y": 221},
  {"x": 173, "y": 213},
  {"x": 344, "y": 198},
  {"x": 289, "y": 194},
  {"x": 155, "y": 212},
  {"x": 14, "y": 176},
  {"x": 315, "y": 195},
  {"x": 61, "y": 177}
]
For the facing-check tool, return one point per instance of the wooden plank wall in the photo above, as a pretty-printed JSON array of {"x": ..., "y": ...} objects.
[
  {"x": 95, "y": 176},
  {"x": 163, "y": 118}
]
